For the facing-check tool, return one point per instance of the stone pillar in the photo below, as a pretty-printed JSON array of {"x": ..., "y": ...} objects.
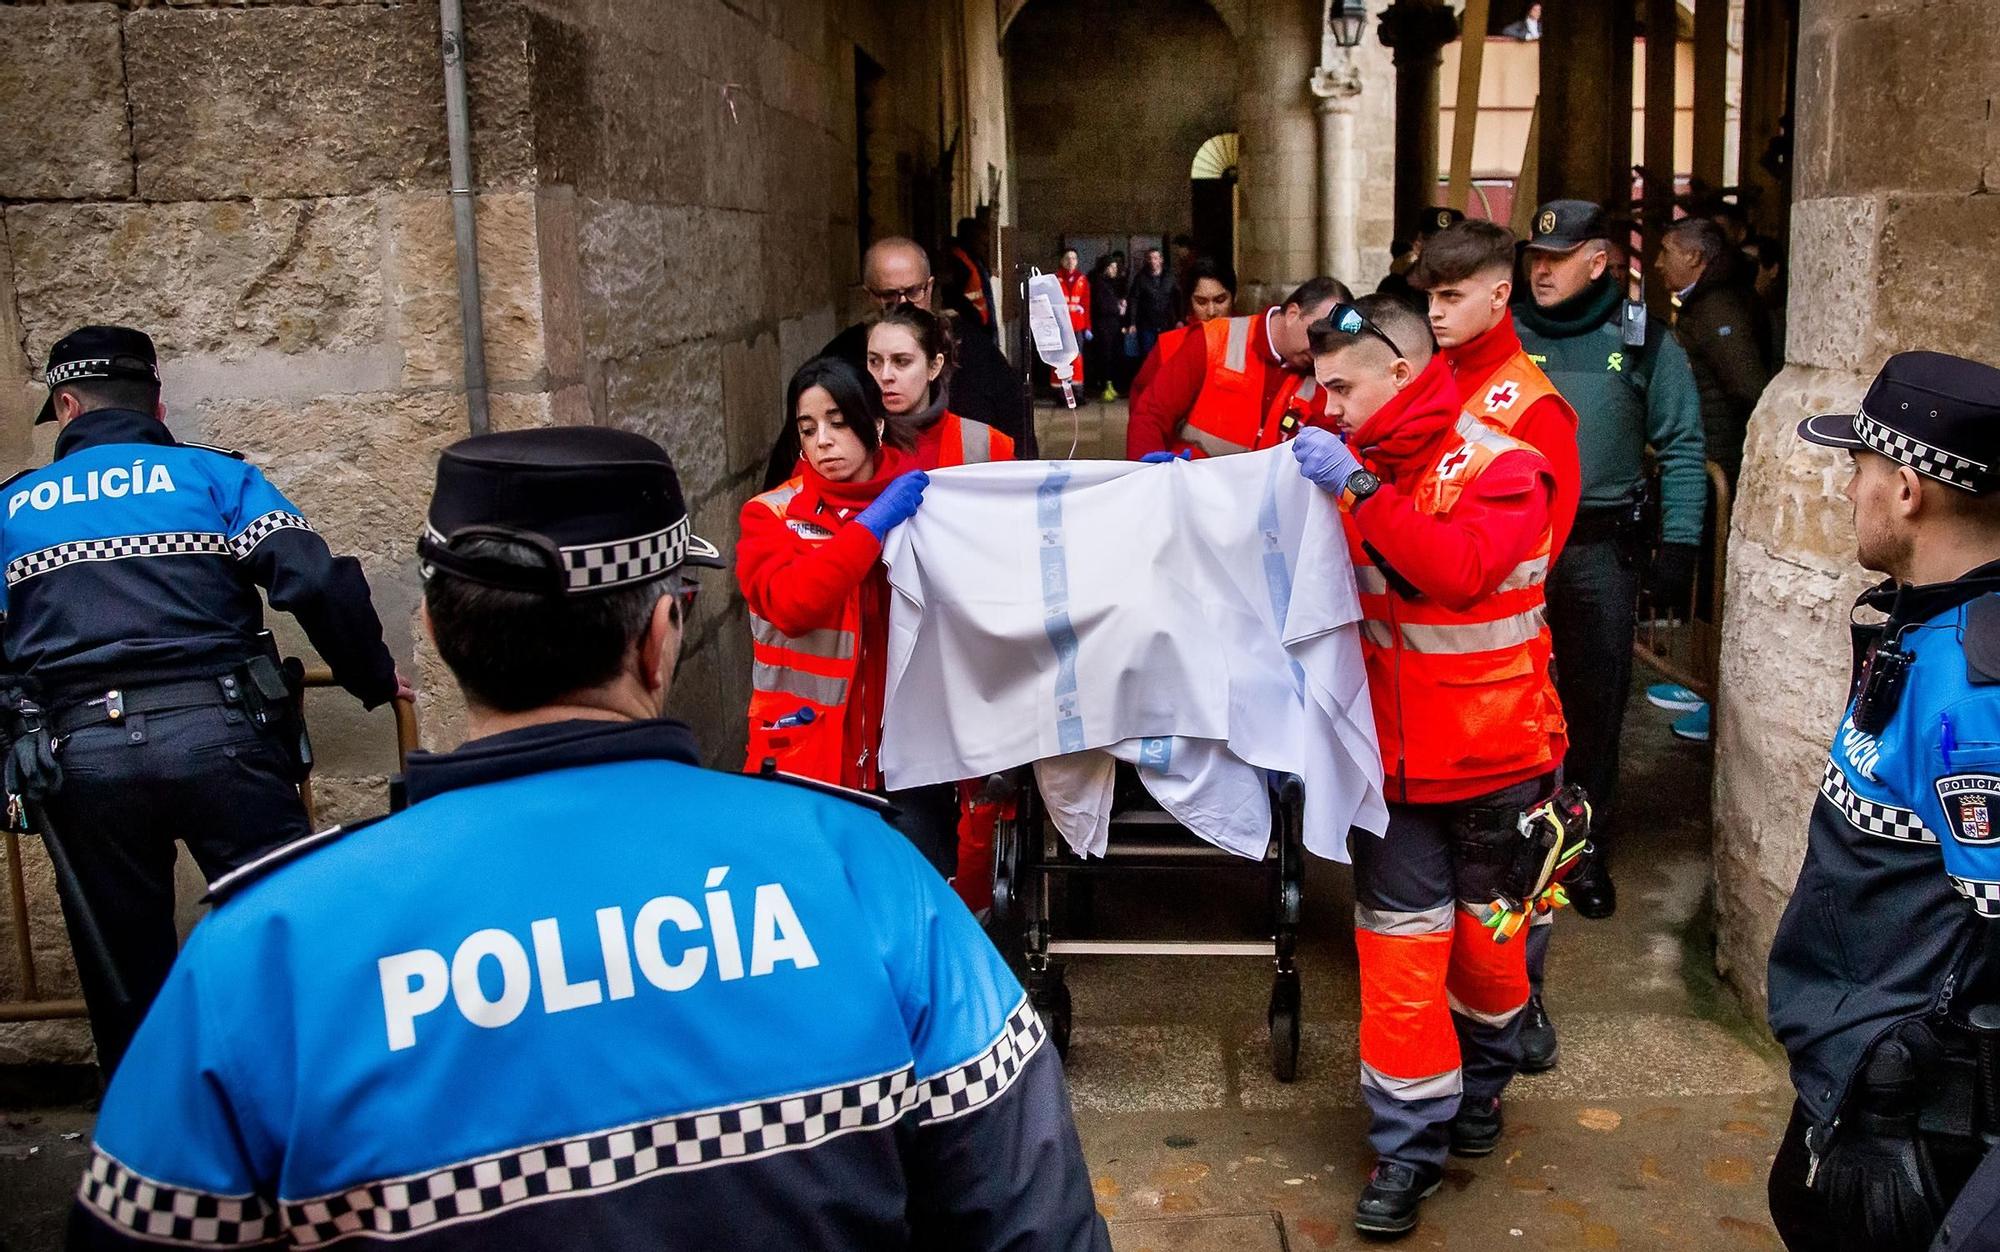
[
  {"x": 1337, "y": 83},
  {"x": 1416, "y": 31},
  {"x": 1277, "y": 226},
  {"x": 1586, "y": 135},
  {"x": 1882, "y": 226}
]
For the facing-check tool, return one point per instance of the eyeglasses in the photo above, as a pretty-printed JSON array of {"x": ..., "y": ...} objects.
[
  {"x": 1349, "y": 320},
  {"x": 901, "y": 295},
  {"x": 685, "y": 592}
]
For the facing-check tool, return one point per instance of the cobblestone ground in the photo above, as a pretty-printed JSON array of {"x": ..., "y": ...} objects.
[{"x": 1654, "y": 1132}]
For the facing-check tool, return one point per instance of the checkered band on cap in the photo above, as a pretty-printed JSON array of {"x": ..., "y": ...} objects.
[
  {"x": 963, "y": 1088},
  {"x": 1946, "y": 467},
  {"x": 588, "y": 567},
  {"x": 94, "y": 367},
  {"x": 164, "y": 1214},
  {"x": 1885, "y": 821}
]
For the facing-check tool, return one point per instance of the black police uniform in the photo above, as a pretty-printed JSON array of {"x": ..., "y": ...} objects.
[
  {"x": 133, "y": 564},
  {"x": 581, "y": 992},
  {"x": 1880, "y": 966}
]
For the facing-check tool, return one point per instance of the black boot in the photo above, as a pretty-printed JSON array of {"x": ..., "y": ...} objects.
[
  {"x": 1590, "y": 890},
  {"x": 1476, "y": 1129},
  {"x": 1395, "y": 1191},
  {"x": 1538, "y": 1038}
]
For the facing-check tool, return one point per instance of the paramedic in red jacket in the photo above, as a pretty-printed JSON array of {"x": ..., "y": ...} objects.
[
  {"x": 1232, "y": 384},
  {"x": 1212, "y": 296},
  {"x": 1076, "y": 295},
  {"x": 809, "y": 562},
  {"x": 912, "y": 353},
  {"x": 1448, "y": 526}
]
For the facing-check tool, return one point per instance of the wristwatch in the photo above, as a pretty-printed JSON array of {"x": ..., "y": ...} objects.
[{"x": 1359, "y": 486}]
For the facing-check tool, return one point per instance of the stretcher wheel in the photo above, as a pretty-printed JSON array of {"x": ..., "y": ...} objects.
[
  {"x": 1049, "y": 993},
  {"x": 1284, "y": 1021}
]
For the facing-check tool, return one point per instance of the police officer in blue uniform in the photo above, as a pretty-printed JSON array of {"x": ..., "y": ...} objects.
[
  {"x": 582, "y": 992},
  {"x": 132, "y": 614},
  {"x": 1882, "y": 986}
]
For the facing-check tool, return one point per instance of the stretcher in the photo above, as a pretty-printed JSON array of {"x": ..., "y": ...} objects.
[{"x": 1031, "y": 858}]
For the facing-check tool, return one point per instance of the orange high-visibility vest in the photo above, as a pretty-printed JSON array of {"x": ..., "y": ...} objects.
[
  {"x": 1228, "y": 415},
  {"x": 792, "y": 676},
  {"x": 1460, "y": 693},
  {"x": 1509, "y": 391},
  {"x": 975, "y": 290},
  {"x": 963, "y": 441}
]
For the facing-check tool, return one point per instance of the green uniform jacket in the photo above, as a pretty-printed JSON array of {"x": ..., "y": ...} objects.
[{"x": 1624, "y": 398}]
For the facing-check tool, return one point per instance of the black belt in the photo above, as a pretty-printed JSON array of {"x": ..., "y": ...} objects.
[
  {"x": 119, "y": 703},
  {"x": 1599, "y": 525}
]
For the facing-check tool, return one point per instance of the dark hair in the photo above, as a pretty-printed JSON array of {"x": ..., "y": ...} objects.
[
  {"x": 853, "y": 391},
  {"x": 1410, "y": 330},
  {"x": 1209, "y": 267},
  {"x": 141, "y": 395},
  {"x": 1704, "y": 237},
  {"x": 936, "y": 334},
  {"x": 1317, "y": 291},
  {"x": 1463, "y": 250},
  {"x": 1770, "y": 250},
  {"x": 966, "y": 225},
  {"x": 518, "y": 650}
]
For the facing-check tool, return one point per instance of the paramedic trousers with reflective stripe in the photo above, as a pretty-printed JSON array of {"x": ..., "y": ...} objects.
[{"x": 1440, "y": 1001}]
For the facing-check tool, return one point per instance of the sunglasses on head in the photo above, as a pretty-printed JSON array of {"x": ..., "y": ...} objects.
[{"x": 1349, "y": 320}]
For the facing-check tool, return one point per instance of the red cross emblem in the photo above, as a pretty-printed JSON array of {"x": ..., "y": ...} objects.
[
  {"x": 1501, "y": 396},
  {"x": 1450, "y": 466}
]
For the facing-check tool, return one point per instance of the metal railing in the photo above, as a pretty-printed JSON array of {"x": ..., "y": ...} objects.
[
  {"x": 1683, "y": 643},
  {"x": 28, "y": 1004}
]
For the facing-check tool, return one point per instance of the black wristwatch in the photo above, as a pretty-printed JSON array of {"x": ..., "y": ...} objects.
[{"x": 1359, "y": 486}]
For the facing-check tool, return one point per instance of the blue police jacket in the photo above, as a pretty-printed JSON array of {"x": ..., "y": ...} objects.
[
  {"x": 585, "y": 994},
  {"x": 1888, "y": 922},
  {"x": 135, "y": 558}
]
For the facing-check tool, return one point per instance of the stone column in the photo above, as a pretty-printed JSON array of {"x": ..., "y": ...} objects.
[
  {"x": 1277, "y": 225},
  {"x": 1337, "y": 82},
  {"x": 1586, "y": 136},
  {"x": 1892, "y": 241},
  {"x": 1416, "y": 31}
]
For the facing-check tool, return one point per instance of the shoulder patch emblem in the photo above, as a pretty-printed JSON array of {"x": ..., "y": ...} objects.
[
  {"x": 1971, "y": 804},
  {"x": 1455, "y": 461},
  {"x": 1501, "y": 396}
]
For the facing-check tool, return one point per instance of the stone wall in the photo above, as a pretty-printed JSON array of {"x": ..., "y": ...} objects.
[
  {"x": 1892, "y": 249},
  {"x": 1110, "y": 102},
  {"x": 666, "y": 217}
]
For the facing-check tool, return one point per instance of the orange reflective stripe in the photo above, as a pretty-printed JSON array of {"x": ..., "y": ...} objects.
[{"x": 1406, "y": 1030}]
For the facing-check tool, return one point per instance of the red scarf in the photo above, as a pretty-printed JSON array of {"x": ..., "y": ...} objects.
[
  {"x": 1397, "y": 440},
  {"x": 848, "y": 498}
]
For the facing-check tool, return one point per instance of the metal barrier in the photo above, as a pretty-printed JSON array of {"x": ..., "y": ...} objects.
[
  {"x": 30, "y": 1006},
  {"x": 1678, "y": 641}
]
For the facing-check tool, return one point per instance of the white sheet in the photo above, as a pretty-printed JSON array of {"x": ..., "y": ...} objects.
[{"x": 1195, "y": 618}]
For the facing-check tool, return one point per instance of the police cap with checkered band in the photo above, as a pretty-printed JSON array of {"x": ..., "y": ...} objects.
[
  {"x": 98, "y": 352},
  {"x": 590, "y": 509},
  {"x": 1936, "y": 413}
]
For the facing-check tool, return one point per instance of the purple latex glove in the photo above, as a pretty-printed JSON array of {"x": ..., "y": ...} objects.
[{"x": 1324, "y": 458}]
